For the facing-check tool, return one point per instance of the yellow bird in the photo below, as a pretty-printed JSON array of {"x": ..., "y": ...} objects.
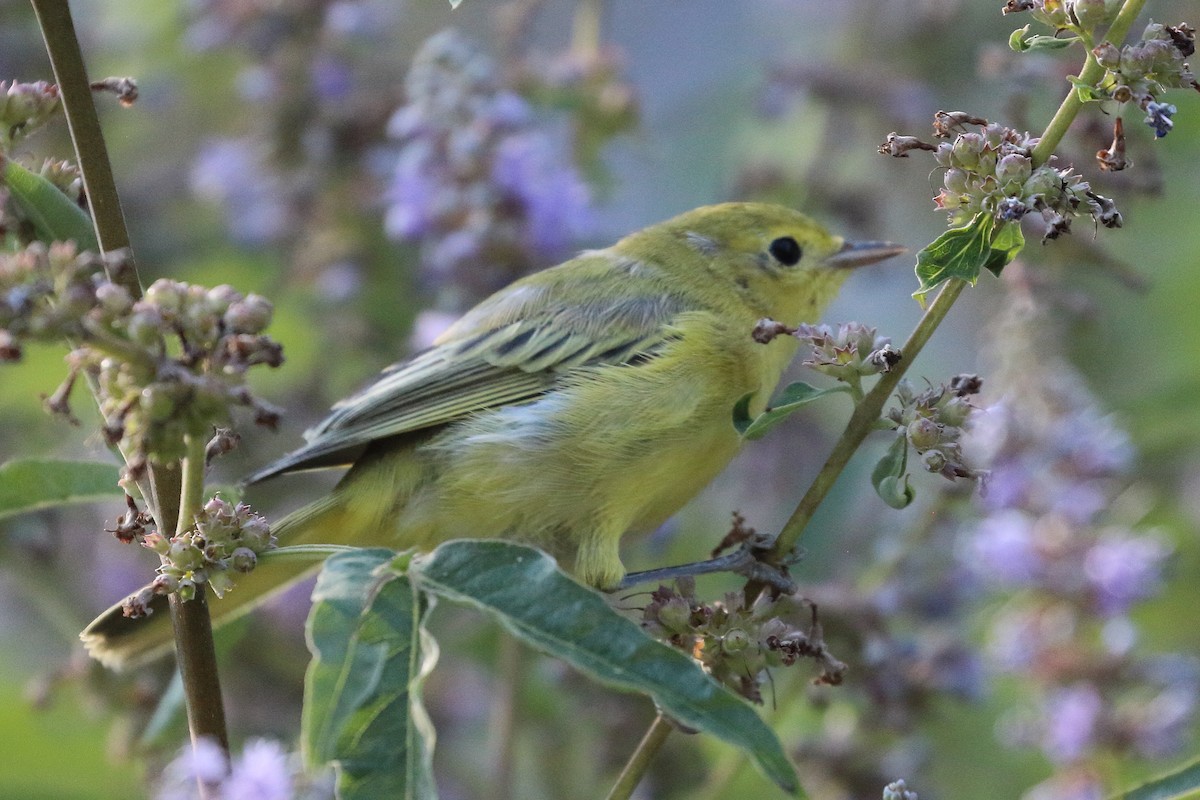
[{"x": 577, "y": 404}]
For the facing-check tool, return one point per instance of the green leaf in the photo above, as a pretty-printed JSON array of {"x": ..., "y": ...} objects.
[
  {"x": 526, "y": 591},
  {"x": 1007, "y": 242},
  {"x": 1184, "y": 782},
  {"x": 793, "y": 397},
  {"x": 55, "y": 217},
  {"x": 1086, "y": 91},
  {"x": 964, "y": 251},
  {"x": 1022, "y": 43},
  {"x": 32, "y": 484},
  {"x": 890, "y": 476},
  {"x": 371, "y": 653}
]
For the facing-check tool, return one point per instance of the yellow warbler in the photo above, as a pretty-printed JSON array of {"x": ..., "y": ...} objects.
[{"x": 579, "y": 403}]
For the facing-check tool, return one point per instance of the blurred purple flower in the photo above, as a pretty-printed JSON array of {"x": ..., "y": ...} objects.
[
  {"x": 204, "y": 762},
  {"x": 1124, "y": 568},
  {"x": 233, "y": 174},
  {"x": 1071, "y": 715},
  {"x": 1002, "y": 549},
  {"x": 263, "y": 772},
  {"x": 332, "y": 79},
  {"x": 557, "y": 202},
  {"x": 485, "y": 191}
]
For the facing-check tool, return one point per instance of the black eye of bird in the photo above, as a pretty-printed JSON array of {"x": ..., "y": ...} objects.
[{"x": 786, "y": 251}]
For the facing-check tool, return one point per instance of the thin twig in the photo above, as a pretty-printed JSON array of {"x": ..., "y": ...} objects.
[
  {"x": 639, "y": 762},
  {"x": 62, "y": 45}
]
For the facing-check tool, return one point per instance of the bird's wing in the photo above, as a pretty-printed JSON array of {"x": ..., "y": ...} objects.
[{"x": 510, "y": 349}]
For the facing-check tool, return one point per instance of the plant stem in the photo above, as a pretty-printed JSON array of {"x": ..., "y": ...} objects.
[
  {"x": 161, "y": 486},
  {"x": 639, "y": 762},
  {"x": 587, "y": 27},
  {"x": 62, "y": 45},
  {"x": 862, "y": 422},
  {"x": 194, "y": 648}
]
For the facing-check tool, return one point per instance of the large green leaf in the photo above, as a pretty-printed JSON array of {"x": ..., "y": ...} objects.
[
  {"x": 965, "y": 251},
  {"x": 793, "y": 397},
  {"x": 32, "y": 484},
  {"x": 362, "y": 707},
  {"x": 527, "y": 592},
  {"x": 1184, "y": 782},
  {"x": 55, "y": 217}
]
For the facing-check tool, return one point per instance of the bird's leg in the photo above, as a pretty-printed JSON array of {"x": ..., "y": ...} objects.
[{"x": 747, "y": 561}]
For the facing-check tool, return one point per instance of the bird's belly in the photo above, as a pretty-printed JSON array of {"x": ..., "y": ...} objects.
[{"x": 566, "y": 463}]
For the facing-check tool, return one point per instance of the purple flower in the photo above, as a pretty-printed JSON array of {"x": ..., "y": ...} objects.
[
  {"x": 332, "y": 80},
  {"x": 1002, "y": 549},
  {"x": 205, "y": 762},
  {"x": 232, "y": 173},
  {"x": 1158, "y": 117},
  {"x": 414, "y": 184},
  {"x": 1122, "y": 569},
  {"x": 556, "y": 200},
  {"x": 263, "y": 772},
  {"x": 1071, "y": 716}
]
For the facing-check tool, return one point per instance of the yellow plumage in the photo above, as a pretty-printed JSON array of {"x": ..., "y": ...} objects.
[{"x": 573, "y": 406}]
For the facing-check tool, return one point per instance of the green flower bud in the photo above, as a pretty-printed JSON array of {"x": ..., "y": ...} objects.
[
  {"x": 146, "y": 324},
  {"x": 1013, "y": 169},
  {"x": 220, "y": 298},
  {"x": 251, "y": 315},
  {"x": 675, "y": 615},
  {"x": 167, "y": 295},
  {"x": 113, "y": 299},
  {"x": 185, "y": 556},
  {"x": 933, "y": 460},
  {"x": 243, "y": 559},
  {"x": 966, "y": 151},
  {"x": 735, "y": 641},
  {"x": 186, "y": 588},
  {"x": 956, "y": 180},
  {"x": 1092, "y": 13},
  {"x": 924, "y": 433}
]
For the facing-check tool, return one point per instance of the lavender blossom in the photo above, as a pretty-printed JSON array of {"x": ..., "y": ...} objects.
[
  {"x": 484, "y": 192},
  {"x": 233, "y": 174}
]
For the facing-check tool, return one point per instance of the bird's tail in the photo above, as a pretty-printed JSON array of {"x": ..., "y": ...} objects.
[{"x": 120, "y": 642}]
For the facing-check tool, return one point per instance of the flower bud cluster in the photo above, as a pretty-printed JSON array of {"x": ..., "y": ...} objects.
[
  {"x": 1143, "y": 72},
  {"x": 226, "y": 539},
  {"x": 1085, "y": 15},
  {"x": 484, "y": 192},
  {"x": 992, "y": 171},
  {"x": 849, "y": 352},
  {"x": 736, "y": 644},
  {"x": 24, "y": 107},
  {"x": 934, "y": 422},
  {"x": 168, "y": 365}
]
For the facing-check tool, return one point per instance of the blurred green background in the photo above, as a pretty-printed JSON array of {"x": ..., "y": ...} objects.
[{"x": 766, "y": 98}]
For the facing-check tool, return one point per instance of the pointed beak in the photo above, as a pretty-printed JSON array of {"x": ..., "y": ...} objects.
[{"x": 859, "y": 254}]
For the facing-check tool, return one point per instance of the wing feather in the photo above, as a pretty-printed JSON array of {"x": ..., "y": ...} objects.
[{"x": 512, "y": 348}]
